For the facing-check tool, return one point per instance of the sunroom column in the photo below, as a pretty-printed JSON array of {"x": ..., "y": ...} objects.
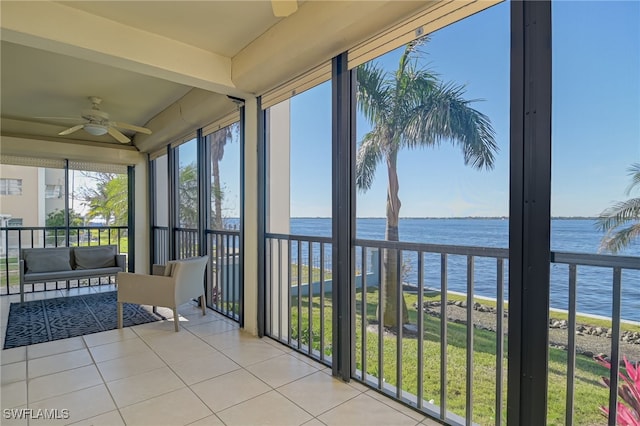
[
  {"x": 250, "y": 210},
  {"x": 278, "y": 207},
  {"x": 141, "y": 217}
]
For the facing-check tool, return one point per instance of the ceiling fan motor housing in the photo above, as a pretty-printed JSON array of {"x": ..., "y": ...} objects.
[{"x": 95, "y": 116}]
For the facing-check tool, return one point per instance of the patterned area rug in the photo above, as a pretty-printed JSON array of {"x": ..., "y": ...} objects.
[{"x": 63, "y": 317}]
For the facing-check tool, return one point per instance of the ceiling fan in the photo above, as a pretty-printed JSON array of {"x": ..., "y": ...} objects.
[
  {"x": 98, "y": 123},
  {"x": 284, "y": 8}
]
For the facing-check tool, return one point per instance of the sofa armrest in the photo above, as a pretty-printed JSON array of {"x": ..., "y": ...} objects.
[
  {"x": 22, "y": 280},
  {"x": 121, "y": 261}
]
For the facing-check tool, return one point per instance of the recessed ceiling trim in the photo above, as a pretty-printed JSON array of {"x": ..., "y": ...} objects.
[
  {"x": 308, "y": 80},
  {"x": 228, "y": 120},
  {"x": 48, "y": 149},
  {"x": 31, "y": 161}
]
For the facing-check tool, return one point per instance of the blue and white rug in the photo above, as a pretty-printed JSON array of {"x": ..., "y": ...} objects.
[{"x": 45, "y": 320}]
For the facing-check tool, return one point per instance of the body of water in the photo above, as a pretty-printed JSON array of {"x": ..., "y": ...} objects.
[{"x": 567, "y": 235}]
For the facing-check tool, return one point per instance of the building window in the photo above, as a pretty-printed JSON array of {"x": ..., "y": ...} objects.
[
  {"x": 53, "y": 191},
  {"x": 10, "y": 186},
  {"x": 17, "y": 221}
]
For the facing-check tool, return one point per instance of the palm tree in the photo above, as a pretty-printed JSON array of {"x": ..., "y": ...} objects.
[
  {"x": 409, "y": 109},
  {"x": 622, "y": 213},
  {"x": 218, "y": 141},
  {"x": 107, "y": 199},
  {"x": 188, "y": 196}
]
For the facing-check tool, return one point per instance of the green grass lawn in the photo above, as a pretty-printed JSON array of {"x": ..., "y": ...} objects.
[{"x": 589, "y": 392}]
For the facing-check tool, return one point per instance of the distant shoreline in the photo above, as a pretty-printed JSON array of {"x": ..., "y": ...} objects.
[{"x": 457, "y": 217}]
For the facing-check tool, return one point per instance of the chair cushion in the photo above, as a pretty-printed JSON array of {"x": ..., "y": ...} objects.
[
  {"x": 168, "y": 268},
  {"x": 95, "y": 257},
  {"x": 48, "y": 260}
]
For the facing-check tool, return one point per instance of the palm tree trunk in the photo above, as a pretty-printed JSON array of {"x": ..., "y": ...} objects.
[
  {"x": 390, "y": 259},
  {"x": 217, "y": 199}
]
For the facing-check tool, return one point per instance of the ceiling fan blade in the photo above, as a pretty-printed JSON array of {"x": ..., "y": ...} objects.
[
  {"x": 59, "y": 118},
  {"x": 131, "y": 127},
  {"x": 71, "y": 130},
  {"x": 118, "y": 135},
  {"x": 284, "y": 8}
]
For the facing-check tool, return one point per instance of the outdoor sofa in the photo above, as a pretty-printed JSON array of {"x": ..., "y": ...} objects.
[{"x": 39, "y": 265}]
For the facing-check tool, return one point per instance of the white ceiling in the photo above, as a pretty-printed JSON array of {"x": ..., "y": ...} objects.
[
  {"x": 148, "y": 60},
  {"x": 224, "y": 27},
  {"x": 39, "y": 83}
]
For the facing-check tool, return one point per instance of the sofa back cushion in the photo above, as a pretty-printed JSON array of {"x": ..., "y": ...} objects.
[
  {"x": 47, "y": 259},
  {"x": 94, "y": 257}
]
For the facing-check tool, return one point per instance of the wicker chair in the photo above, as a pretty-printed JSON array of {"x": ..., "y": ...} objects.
[{"x": 181, "y": 282}]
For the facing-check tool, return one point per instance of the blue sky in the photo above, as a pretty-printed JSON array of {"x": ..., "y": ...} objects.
[
  {"x": 595, "y": 121},
  {"x": 595, "y": 128}
]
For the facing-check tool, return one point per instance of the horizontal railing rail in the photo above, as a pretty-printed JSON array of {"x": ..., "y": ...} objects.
[{"x": 13, "y": 239}]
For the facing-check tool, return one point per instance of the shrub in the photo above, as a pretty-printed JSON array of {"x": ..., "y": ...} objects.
[{"x": 628, "y": 391}]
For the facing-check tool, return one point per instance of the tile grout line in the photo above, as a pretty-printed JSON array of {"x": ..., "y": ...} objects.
[{"x": 104, "y": 383}]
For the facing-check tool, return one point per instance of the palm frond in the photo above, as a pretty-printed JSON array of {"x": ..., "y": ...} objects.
[
  {"x": 367, "y": 158},
  {"x": 619, "y": 214},
  {"x": 634, "y": 172},
  {"x": 442, "y": 114},
  {"x": 373, "y": 92},
  {"x": 617, "y": 239}
]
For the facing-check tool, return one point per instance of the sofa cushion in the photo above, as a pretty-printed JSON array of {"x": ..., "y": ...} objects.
[
  {"x": 95, "y": 257},
  {"x": 47, "y": 260},
  {"x": 39, "y": 277}
]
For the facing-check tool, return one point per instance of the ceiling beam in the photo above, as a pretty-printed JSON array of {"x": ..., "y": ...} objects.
[
  {"x": 61, "y": 29},
  {"x": 313, "y": 35},
  {"x": 77, "y": 150}
]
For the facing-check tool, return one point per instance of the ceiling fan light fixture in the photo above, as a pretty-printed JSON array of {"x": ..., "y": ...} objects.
[{"x": 95, "y": 129}]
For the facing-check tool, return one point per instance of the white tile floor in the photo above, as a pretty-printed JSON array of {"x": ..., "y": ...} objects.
[{"x": 209, "y": 373}]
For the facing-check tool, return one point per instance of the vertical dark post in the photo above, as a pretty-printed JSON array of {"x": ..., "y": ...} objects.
[
  {"x": 241, "y": 218},
  {"x": 151, "y": 189},
  {"x": 342, "y": 215},
  {"x": 67, "y": 213},
  {"x": 172, "y": 164},
  {"x": 529, "y": 212},
  {"x": 262, "y": 196},
  {"x": 204, "y": 191},
  {"x": 131, "y": 217}
]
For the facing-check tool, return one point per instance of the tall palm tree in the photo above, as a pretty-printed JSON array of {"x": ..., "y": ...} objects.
[
  {"x": 218, "y": 141},
  {"x": 409, "y": 109},
  {"x": 614, "y": 219},
  {"x": 188, "y": 196}
]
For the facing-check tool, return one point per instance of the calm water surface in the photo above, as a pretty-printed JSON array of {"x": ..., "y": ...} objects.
[{"x": 577, "y": 236}]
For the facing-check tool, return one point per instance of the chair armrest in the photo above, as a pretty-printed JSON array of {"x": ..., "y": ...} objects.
[
  {"x": 146, "y": 289},
  {"x": 157, "y": 269},
  {"x": 121, "y": 261}
]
